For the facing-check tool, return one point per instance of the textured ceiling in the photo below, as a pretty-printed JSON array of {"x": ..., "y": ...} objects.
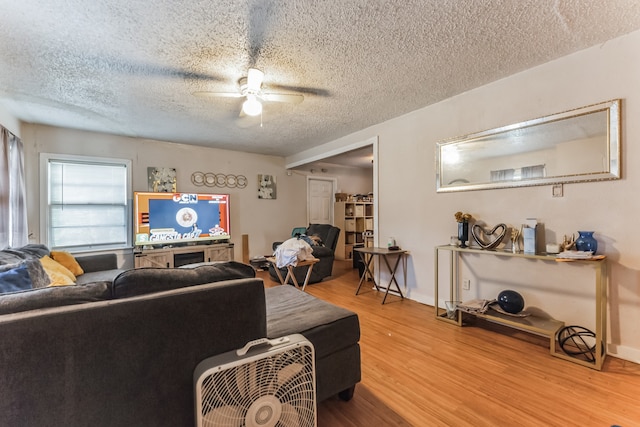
[{"x": 131, "y": 67}]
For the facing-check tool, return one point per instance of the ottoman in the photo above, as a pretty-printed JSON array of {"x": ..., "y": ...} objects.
[{"x": 334, "y": 332}]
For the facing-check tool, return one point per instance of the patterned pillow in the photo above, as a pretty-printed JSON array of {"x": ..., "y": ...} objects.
[
  {"x": 39, "y": 277},
  {"x": 14, "y": 280}
]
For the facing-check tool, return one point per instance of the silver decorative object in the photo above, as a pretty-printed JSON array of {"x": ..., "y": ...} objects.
[
  {"x": 478, "y": 234},
  {"x": 211, "y": 179}
]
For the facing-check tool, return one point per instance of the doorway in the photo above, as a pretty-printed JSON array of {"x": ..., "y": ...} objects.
[
  {"x": 320, "y": 193},
  {"x": 363, "y": 155}
]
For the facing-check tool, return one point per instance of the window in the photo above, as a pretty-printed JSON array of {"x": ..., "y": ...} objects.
[{"x": 86, "y": 205}]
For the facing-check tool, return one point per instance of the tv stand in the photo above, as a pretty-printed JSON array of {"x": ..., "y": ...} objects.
[{"x": 182, "y": 255}]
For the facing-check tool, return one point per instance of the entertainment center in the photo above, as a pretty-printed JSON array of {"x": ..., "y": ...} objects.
[
  {"x": 175, "y": 229},
  {"x": 170, "y": 257}
]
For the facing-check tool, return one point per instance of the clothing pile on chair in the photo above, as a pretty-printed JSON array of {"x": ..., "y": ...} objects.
[{"x": 291, "y": 251}]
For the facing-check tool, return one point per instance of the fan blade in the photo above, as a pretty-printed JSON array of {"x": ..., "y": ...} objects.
[
  {"x": 206, "y": 94},
  {"x": 314, "y": 91},
  {"x": 254, "y": 79},
  {"x": 283, "y": 97},
  {"x": 290, "y": 416},
  {"x": 288, "y": 372},
  {"x": 225, "y": 416}
]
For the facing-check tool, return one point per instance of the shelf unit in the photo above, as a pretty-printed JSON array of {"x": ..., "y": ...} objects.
[
  {"x": 181, "y": 255},
  {"x": 353, "y": 219},
  {"x": 532, "y": 324}
]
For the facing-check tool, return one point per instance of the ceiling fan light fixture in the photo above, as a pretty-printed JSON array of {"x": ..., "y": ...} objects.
[
  {"x": 254, "y": 79},
  {"x": 252, "y": 107}
]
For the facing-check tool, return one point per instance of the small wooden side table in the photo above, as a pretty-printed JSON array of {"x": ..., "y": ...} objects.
[
  {"x": 306, "y": 262},
  {"x": 383, "y": 253}
]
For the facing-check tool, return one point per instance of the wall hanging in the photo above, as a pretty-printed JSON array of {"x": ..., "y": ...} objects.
[
  {"x": 210, "y": 179},
  {"x": 266, "y": 187},
  {"x": 162, "y": 180}
]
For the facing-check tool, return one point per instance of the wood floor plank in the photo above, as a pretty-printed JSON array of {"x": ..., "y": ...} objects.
[{"x": 417, "y": 371}]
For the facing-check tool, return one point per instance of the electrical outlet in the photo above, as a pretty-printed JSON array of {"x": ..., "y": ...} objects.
[{"x": 466, "y": 284}]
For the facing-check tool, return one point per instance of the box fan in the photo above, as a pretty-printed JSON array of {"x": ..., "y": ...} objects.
[{"x": 267, "y": 383}]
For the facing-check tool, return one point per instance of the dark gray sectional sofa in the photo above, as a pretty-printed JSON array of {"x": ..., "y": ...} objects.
[{"x": 121, "y": 351}]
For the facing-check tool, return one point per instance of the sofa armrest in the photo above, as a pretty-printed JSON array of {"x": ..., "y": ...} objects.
[
  {"x": 91, "y": 263},
  {"x": 322, "y": 252}
]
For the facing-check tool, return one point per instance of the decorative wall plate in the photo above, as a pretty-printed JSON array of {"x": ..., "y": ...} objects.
[
  {"x": 483, "y": 237},
  {"x": 211, "y": 179}
]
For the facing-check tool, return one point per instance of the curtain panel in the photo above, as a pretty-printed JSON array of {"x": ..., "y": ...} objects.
[{"x": 13, "y": 207}]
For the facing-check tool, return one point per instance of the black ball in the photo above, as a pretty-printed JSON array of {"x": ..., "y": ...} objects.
[{"x": 510, "y": 301}]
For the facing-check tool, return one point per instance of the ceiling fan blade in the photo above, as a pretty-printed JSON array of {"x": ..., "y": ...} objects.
[
  {"x": 283, "y": 97},
  {"x": 205, "y": 94},
  {"x": 254, "y": 79},
  {"x": 301, "y": 89}
]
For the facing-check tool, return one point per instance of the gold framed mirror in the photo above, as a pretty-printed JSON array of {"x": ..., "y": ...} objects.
[{"x": 572, "y": 146}]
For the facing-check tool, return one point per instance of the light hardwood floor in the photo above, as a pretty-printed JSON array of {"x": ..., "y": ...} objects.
[{"x": 417, "y": 371}]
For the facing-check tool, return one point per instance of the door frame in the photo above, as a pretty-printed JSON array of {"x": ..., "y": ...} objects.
[
  {"x": 334, "y": 185},
  {"x": 373, "y": 141}
]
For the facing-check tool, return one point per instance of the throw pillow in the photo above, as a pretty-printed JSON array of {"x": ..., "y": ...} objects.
[
  {"x": 66, "y": 259},
  {"x": 59, "y": 274},
  {"x": 15, "y": 280}
]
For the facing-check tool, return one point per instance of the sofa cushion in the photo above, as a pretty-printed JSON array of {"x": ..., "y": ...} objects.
[
  {"x": 54, "y": 296},
  {"x": 99, "y": 276},
  {"x": 97, "y": 262},
  {"x": 328, "y": 327},
  {"x": 141, "y": 281}
]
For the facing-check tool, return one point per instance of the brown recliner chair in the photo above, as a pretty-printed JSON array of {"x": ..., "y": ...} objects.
[{"x": 325, "y": 253}]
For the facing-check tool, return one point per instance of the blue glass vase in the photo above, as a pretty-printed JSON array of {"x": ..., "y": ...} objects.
[{"x": 586, "y": 242}]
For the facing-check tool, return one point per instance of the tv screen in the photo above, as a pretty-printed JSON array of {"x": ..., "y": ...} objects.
[{"x": 169, "y": 218}]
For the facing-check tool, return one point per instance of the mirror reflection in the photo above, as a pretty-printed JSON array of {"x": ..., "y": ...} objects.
[{"x": 577, "y": 145}]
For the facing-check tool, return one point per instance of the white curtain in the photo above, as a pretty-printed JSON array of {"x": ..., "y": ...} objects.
[{"x": 13, "y": 207}]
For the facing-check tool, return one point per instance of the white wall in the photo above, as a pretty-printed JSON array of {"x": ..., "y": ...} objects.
[
  {"x": 354, "y": 180},
  {"x": 265, "y": 221},
  {"x": 419, "y": 218},
  {"x": 8, "y": 121},
  {"x": 349, "y": 180}
]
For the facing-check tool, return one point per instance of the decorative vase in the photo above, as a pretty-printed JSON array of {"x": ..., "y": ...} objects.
[
  {"x": 514, "y": 246},
  {"x": 463, "y": 233},
  {"x": 586, "y": 242}
]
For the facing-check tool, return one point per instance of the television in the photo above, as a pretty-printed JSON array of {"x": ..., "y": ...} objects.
[{"x": 177, "y": 218}]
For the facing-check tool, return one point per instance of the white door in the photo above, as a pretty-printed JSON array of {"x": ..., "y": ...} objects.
[{"x": 320, "y": 200}]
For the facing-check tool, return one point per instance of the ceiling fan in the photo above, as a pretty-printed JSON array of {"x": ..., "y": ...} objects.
[{"x": 250, "y": 87}]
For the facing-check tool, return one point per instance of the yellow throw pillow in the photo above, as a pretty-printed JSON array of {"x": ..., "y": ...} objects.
[
  {"x": 67, "y": 260},
  {"x": 58, "y": 274}
]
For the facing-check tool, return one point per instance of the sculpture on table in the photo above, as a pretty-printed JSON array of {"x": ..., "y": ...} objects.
[
  {"x": 515, "y": 238},
  {"x": 568, "y": 242},
  {"x": 483, "y": 236}
]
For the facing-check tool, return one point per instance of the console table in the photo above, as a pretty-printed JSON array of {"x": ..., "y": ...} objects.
[
  {"x": 536, "y": 325},
  {"x": 368, "y": 254}
]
